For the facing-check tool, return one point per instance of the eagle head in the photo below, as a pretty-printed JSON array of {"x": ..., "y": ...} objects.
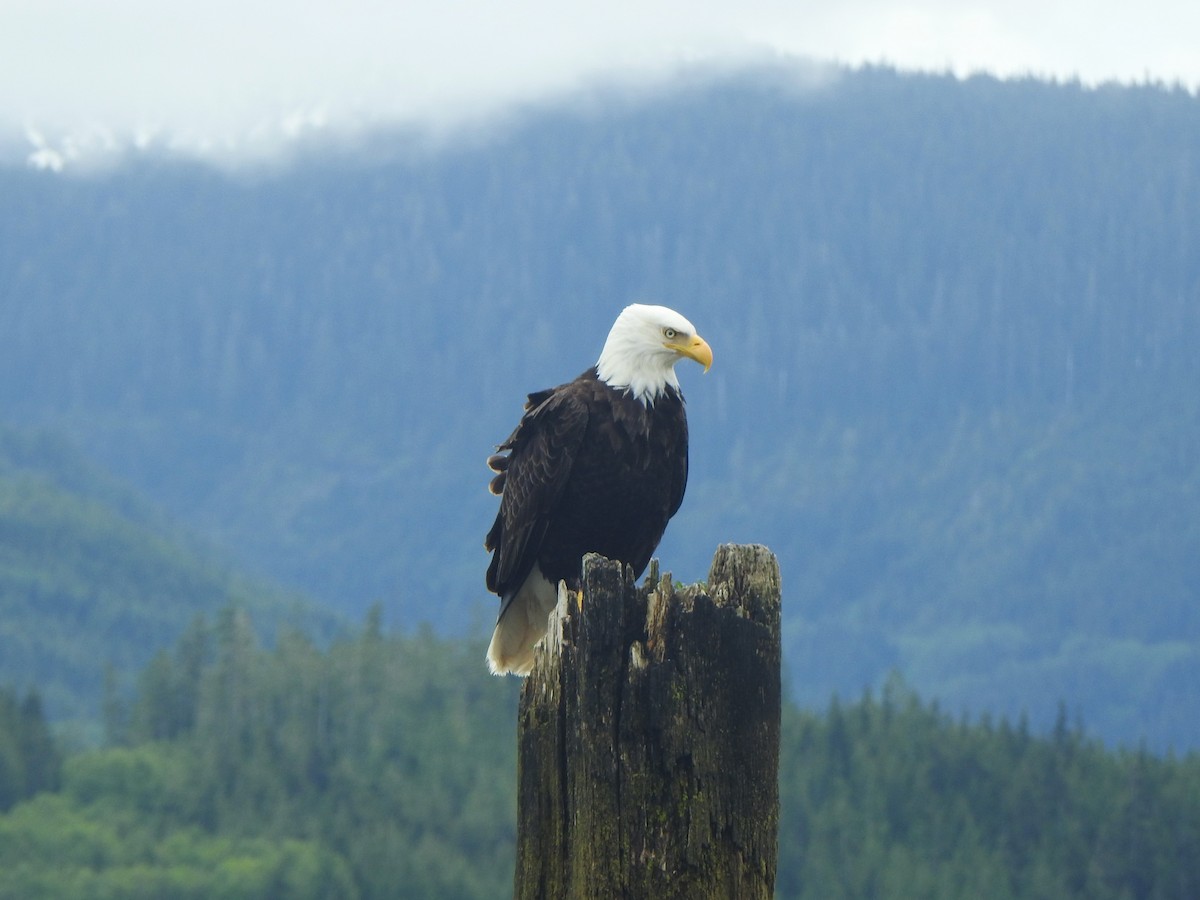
[{"x": 642, "y": 348}]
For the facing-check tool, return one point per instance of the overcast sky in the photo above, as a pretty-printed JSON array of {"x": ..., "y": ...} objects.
[{"x": 241, "y": 74}]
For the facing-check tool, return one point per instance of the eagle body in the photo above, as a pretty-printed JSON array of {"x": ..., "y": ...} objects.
[
  {"x": 586, "y": 447},
  {"x": 598, "y": 464}
]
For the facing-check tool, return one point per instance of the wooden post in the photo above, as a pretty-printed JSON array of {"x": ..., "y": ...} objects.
[{"x": 648, "y": 742}]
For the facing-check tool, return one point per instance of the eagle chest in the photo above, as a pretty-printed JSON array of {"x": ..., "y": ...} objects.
[{"x": 629, "y": 463}]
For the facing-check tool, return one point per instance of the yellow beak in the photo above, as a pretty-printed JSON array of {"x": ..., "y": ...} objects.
[{"x": 697, "y": 348}]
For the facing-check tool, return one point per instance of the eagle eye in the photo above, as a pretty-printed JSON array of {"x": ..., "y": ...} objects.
[{"x": 670, "y": 334}]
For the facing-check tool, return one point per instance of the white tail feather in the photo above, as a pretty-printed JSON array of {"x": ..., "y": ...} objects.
[{"x": 522, "y": 624}]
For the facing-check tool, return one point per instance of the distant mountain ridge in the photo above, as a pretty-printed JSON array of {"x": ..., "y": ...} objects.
[
  {"x": 94, "y": 580},
  {"x": 954, "y": 322}
]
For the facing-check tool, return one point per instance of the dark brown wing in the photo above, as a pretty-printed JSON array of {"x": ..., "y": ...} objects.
[
  {"x": 530, "y": 481},
  {"x": 678, "y": 452}
]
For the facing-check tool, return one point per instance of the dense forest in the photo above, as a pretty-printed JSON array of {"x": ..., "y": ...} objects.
[
  {"x": 94, "y": 580},
  {"x": 954, "y": 321},
  {"x": 386, "y": 764}
]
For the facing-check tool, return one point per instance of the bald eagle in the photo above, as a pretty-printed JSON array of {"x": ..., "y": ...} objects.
[{"x": 598, "y": 464}]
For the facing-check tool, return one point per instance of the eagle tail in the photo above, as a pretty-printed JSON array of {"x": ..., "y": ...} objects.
[{"x": 521, "y": 625}]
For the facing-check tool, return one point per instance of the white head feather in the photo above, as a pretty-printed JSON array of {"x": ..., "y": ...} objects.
[{"x": 642, "y": 348}]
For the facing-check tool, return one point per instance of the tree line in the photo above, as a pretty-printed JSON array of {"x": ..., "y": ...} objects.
[{"x": 385, "y": 764}]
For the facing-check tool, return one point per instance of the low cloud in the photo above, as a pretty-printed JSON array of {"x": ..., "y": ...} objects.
[{"x": 81, "y": 80}]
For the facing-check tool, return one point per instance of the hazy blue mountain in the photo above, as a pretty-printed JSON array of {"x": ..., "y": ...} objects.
[
  {"x": 94, "y": 580},
  {"x": 955, "y": 326}
]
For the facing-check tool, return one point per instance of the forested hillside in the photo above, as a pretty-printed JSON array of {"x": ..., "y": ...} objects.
[
  {"x": 955, "y": 326},
  {"x": 386, "y": 765},
  {"x": 93, "y": 580}
]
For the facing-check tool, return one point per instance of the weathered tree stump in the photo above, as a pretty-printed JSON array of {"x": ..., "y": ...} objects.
[{"x": 648, "y": 743}]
